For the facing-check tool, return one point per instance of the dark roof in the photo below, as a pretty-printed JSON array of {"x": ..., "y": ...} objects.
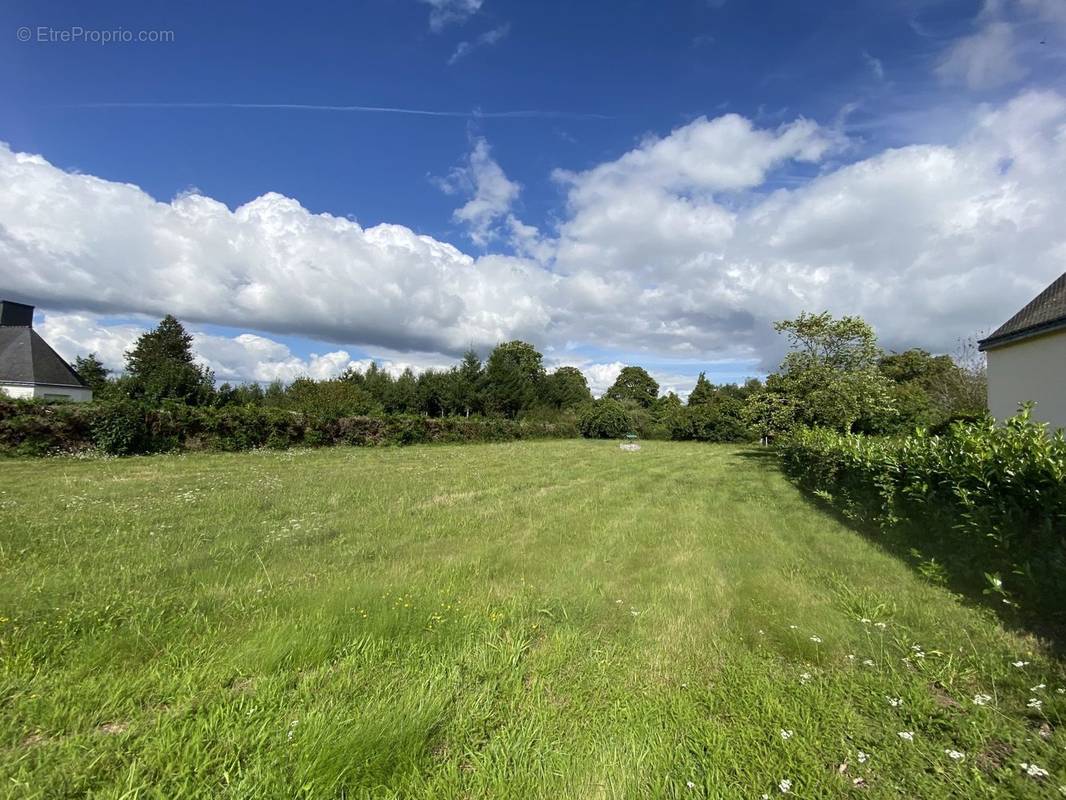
[
  {"x": 1045, "y": 313},
  {"x": 26, "y": 358}
]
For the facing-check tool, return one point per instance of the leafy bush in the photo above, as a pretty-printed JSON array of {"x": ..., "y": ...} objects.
[
  {"x": 604, "y": 419},
  {"x": 126, "y": 427},
  {"x": 992, "y": 498},
  {"x": 717, "y": 422}
]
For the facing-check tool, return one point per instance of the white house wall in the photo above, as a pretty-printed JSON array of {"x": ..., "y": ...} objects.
[
  {"x": 1032, "y": 369},
  {"x": 23, "y": 392}
]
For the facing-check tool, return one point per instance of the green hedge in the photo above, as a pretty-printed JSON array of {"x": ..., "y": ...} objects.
[
  {"x": 990, "y": 500},
  {"x": 125, "y": 428}
]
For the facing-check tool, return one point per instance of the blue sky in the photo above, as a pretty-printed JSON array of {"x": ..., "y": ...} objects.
[{"x": 206, "y": 113}]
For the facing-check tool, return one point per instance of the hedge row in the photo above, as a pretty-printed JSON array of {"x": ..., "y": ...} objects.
[
  {"x": 127, "y": 428},
  {"x": 989, "y": 500}
]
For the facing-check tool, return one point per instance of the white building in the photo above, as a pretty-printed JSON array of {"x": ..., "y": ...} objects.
[
  {"x": 28, "y": 366},
  {"x": 1027, "y": 359}
]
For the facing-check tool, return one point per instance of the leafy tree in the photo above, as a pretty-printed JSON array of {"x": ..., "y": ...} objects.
[
  {"x": 434, "y": 393},
  {"x": 402, "y": 394},
  {"x": 514, "y": 378},
  {"x": 831, "y": 376},
  {"x": 330, "y": 399},
  {"x": 568, "y": 388},
  {"x": 634, "y": 383},
  {"x": 703, "y": 392},
  {"x": 377, "y": 383},
  {"x": 91, "y": 370},
  {"x": 161, "y": 366}
]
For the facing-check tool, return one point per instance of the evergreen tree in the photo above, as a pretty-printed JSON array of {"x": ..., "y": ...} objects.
[
  {"x": 161, "y": 366},
  {"x": 469, "y": 384},
  {"x": 703, "y": 392}
]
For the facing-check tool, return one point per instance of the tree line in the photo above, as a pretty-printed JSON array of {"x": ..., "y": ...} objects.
[{"x": 835, "y": 375}]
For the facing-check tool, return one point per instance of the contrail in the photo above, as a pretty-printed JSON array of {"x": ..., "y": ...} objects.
[{"x": 422, "y": 112}]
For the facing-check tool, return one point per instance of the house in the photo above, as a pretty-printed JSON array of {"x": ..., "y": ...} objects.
[
  {"x": 28, "y": 366},
  {"x": 1027, "y": 359}
]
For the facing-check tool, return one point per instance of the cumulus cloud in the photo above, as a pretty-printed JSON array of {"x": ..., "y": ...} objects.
[
  {"x": 491, "y": 192},
  {"x": 675, "y": 249},
  {"x": 444, "y": 12}
]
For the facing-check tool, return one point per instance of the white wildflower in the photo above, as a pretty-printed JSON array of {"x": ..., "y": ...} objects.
[
  {"x": 1033, "y": 771},
  {"x": 1019, "y": 664},
  {"x": 690, "y": 784},
  {"x": 862, "y": 757},
  {"x": 955, "y": 755},
  {"x": 816, "y": 639},
  {"x": 851, "y": 656},
  {"x": 805, "y": 677},
  {"x": 1034, "y": 703},
  {"x": 785, "y": 786},
  {"x": 907, "y": 736},
  {"x": 786, "y": 735},
  {"x": 867, "y": 662},
  {"x": 793, "y": 627},
  {"x": 895, "y": 702},
  {"x": 880, "y": 625},
  {"x": 982, "y": 699},
  {"x": 1038, "y": 687},
  {"x": 865, "y": 621}
]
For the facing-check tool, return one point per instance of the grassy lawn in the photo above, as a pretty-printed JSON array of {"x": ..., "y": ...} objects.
[{"x": 528, "y": 620}]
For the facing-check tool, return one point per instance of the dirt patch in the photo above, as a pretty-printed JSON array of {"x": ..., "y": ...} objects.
[
  {"x": 113, "y": 728},
  {"x": 34, "y": 739},
  {"x": 994, "y": 755},
  {"x": 942, "y": 698}
]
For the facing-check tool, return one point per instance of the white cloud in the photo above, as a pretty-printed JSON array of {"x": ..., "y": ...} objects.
[
  {"x": 493, "y": 193},
  {"x": 444, "y": 12},
  {"x": 984, "y": 60},
  {"x": 487, "y": 39},
  {"x": 670, "y": 250},
  {"x": 876, "y": 66}
]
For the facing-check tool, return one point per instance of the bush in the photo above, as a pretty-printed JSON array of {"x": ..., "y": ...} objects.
[
  {"x": 991, "y": 498},
  {"x": 126, "y": 427},
  {"x": 709, "y": 423},
  {"x": 604, "y": 419}
]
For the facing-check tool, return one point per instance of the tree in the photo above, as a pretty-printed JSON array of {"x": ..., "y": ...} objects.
[
  {"x": 402, "y": 394},
  {"x": 831, "y": 375},
  {"x": 604, "y": 419},
  {"x": 92, "y": 371},
  {"x": 161, "y": 366},
  {"x": 567, "y": 388},
  {"x": 634, "y": 383},
  {"x": 514, "y": 378},
  {"x": 469, "y": 384},
  {"x": 703, "y": 392}
]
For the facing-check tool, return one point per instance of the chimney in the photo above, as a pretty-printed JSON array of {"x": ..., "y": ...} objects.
[{"x": 15, "y": 315}]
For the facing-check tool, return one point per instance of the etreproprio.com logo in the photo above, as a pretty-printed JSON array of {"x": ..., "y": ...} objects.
[{"x": 76, "y": 34}]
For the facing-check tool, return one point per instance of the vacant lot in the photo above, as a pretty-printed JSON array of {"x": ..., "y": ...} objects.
[{"x": 553, "y": 619}]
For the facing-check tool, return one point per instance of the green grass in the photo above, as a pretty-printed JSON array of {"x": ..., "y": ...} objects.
[{"x": 529, "y": 620}]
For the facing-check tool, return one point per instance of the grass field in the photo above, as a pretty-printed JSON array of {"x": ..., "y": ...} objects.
[{"x": 529, "y": 620}]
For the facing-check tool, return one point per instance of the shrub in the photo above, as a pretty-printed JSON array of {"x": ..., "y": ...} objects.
[
  {"x": 993, "y": 498},
  {"x": 718, "y": 422},
  {"x": 604, "y": 419}
]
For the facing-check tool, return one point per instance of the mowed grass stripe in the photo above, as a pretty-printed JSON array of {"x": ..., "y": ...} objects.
[{"x": 545, "y": 619}]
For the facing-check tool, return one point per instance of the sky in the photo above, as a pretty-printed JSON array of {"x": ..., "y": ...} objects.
[{"x": 617, "y": 182}]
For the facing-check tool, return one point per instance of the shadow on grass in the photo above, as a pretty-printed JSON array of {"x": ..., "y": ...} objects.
[{"x": 919, "y": 550}]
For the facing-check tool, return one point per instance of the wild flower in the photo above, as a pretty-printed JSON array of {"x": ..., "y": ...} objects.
[
  {"x": 880, "y": 625},
  {"x": 1019, "y": 664},
  {"x": 793, "y": 627},
  {"x": 1060, "y": 690},
  {"x": 895, "y": 702},
  {"x": 851, "y": 656},
  {"x": 907, "y": 736},
  {"x": 862, "y": 757},
  {"x": 1033, "y": 771},
  {"x": 868, "y": 662},
  {"x": 805, "y": 677},
  {"x": 982, "y": 699},
  {"x": 1034, "y": 703},
  {"x": 785, "y": 786},
  {"x": 816, "y": 639},
  {"x": 1038, "y": 687},
  {"x": 955, "y": 755},
  {"x": 786, "y": 735},
  {"x": 690, "y": 784},
  {"x": 865, "y": 620}
]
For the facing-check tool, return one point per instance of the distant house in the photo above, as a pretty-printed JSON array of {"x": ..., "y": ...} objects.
[
  {"x": 28, "y": 366},
  {"x": 1027, "y": 359}
]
